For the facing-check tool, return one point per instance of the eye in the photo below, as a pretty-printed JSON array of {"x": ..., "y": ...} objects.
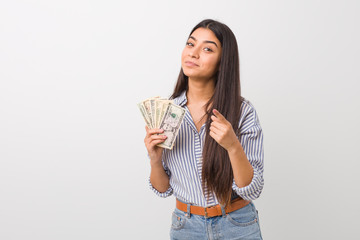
[
  {"x": 189, "y": 44},
  {"x": 208, "y": 49}
]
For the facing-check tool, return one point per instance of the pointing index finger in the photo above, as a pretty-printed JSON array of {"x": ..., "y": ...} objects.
[{"x": 218, "y": 114}]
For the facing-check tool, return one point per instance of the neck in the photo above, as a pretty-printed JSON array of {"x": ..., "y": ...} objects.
[{"x": 200, "y": 91}]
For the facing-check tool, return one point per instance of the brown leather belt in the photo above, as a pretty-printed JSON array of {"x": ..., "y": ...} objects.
[{"x": 212, "y": 211}]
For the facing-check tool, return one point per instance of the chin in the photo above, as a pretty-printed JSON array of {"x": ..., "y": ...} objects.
[{"x": 190, "y": 73}]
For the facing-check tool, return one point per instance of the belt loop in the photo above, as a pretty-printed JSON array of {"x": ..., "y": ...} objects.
[
  {"x": 188, "y": 214},
  {"x": 223, "y": 210}
]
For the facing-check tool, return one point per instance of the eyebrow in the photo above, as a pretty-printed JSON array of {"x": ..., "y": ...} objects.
[{"x": 206, "y": 41}]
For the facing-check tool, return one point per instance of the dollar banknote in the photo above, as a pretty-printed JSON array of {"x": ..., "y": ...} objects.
[
  {"x": 152, "y": 109},
  {"x": 147, "y": 107},
  {"x": 144, "y": 114},
  {"x": 161, "y": 108},
  {"x": 171, "y": 124},
  {"x": 162, "y": 113}
]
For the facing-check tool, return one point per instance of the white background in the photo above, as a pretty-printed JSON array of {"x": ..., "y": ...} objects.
[{"x": 72, "y": 160}]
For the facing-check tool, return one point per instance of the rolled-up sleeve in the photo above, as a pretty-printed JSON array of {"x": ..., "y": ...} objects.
[
  {"x": 251, "y": 139},
  {"x": 169, "y": 191}
]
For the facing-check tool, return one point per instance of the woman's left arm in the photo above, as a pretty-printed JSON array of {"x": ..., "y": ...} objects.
[{"x": 248, "y": 180}]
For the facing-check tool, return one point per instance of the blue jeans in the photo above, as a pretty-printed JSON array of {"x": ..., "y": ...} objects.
[{"x": 240, "y": 224}]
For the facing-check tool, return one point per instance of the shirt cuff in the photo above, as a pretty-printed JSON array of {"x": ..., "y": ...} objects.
[
  {"x": 251, "y": 191},
  {"x": 165, "y": 194}
]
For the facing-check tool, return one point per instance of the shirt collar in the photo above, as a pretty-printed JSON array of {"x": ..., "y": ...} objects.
[{"x": 181, "y": 100}]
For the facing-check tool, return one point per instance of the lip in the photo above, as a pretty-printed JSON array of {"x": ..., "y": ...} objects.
[{"x": 191, "y": 64}]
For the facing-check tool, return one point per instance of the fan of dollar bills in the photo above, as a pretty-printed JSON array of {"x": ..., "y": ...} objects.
[{"x": 164, "y": 114}]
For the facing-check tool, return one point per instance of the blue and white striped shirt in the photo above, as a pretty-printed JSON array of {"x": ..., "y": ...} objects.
[{"x": 183, "y": 163}]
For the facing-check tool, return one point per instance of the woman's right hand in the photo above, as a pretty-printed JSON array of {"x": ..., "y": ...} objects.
[{"x": 151, "y": 140}]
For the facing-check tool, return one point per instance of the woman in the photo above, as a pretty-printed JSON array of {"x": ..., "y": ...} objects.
[{"x": 215, "y": 168}]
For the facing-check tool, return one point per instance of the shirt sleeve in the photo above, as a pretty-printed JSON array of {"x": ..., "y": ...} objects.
[
  {"x": 169, "y": 191},
  {"x": 250, "y": 135}
]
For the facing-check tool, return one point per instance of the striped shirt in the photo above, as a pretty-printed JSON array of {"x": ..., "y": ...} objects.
[{"x": 183, "y": 163}]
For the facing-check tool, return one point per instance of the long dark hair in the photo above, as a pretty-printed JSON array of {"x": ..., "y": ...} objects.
[{"x": 217, "y": 174}]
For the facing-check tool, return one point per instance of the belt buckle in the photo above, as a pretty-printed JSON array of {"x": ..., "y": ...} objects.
[{"x": 206, "y": 213}]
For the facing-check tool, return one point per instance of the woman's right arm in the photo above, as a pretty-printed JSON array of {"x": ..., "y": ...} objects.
[{"x": 158, "y": 177}]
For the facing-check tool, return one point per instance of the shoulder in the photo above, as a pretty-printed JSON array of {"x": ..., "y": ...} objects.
[
  {"x": 246, "y": 106},
  {"x": 248, "y": 115},
  {"x": 181, "y": 99}
]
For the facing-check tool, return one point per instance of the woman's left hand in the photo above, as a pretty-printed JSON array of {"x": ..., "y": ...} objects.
[{"x": 222, "y": 131}]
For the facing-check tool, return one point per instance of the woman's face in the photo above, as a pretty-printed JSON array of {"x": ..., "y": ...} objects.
[{"x": 201, "y": 55}]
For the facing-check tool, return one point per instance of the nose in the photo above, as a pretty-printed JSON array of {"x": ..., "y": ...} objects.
[{"x": 193, "y": 53}]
